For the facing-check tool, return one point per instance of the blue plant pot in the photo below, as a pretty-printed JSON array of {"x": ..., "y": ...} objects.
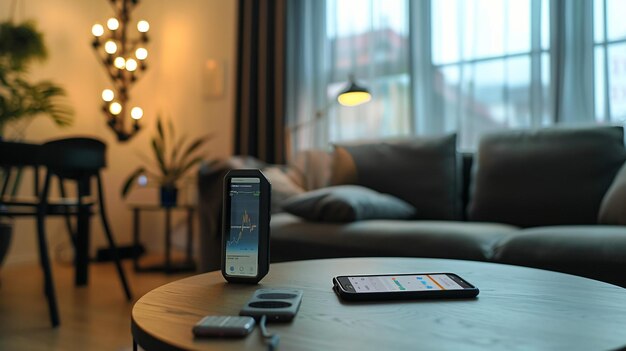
[{"x": 169, "y": 196}]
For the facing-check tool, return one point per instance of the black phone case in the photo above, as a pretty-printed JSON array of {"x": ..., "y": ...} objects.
[
  {"x": 408, "y": 295},
  {"x": 263, "y": 263},
  {"x": 278, "y": 305}
]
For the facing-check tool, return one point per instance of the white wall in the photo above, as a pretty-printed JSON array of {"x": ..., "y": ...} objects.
[{"x": 183, "y": 35}]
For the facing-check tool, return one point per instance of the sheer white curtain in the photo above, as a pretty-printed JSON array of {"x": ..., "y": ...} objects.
[
  {"x": 489, "y": 67},
  {"x": 610, "y": 60},
  {"x": 470, "y": 66},
  {"x": 306, "y": 84},
  {"x": 368, "y": 39}
]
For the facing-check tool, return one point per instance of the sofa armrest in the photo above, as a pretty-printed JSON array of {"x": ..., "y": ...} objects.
[{"x": 210, "y": 189}]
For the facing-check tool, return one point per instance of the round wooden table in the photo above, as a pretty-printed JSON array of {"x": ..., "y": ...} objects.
[{"x": 518, "y": 309}]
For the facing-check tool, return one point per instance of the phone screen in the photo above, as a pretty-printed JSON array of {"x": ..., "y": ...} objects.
[
  {"x": 242, "y": 246},
  {"x": 413, "y": 282}
]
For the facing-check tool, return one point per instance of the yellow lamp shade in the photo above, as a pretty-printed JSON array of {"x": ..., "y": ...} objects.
[
  {"x": 354, "y": 98},
  {"x": 354, "y": 94}
]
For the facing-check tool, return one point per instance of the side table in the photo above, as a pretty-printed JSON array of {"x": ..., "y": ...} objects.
[
  {"x": 168, "y": 265},
  {"x": 518, "y": 308}
]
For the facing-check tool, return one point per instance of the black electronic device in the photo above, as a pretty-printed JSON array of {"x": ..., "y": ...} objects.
[
  {"x": 278, "y": 305},
  {"x": 403, "y": 286},
  {"x": 246, "y": 226},
  {"x": 224, "y": 326}
]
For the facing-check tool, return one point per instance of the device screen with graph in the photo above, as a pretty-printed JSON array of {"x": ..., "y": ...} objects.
[{"x": 246, "y": 225}]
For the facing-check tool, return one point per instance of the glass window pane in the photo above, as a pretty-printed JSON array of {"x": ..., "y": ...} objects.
[
  {"x": 387, "y": 114},
  {"x": 447, "y": 98},
  {"x": 545, "y": 24},
  {"x": 488, "y": 28},
  {"x": 445, "y": 31},
  {"x": 517, "y": 85},
  {"x": 546, "y": 103},
  {"x": 374, "y": 44},
  {"x": 599, "y": 81},
  {"x": 617, "y": 82},
  {"x": 518, "y": 26},
  {"x": 615, "y": 12},
  {"x": 598, "y": 20},
  {"x": 481, "y": 101}
]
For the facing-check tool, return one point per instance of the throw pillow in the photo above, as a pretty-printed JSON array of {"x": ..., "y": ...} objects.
[
  {"x": 542, "y": 177},
  {"x": 283, "y": 187},
  {"x": 613, "y": 207},
  {"x": 422, "y": 171},
  {"x": 347, "y": 203}
]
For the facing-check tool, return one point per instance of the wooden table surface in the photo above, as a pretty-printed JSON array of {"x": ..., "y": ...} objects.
[{"x": 518, "y": 309}]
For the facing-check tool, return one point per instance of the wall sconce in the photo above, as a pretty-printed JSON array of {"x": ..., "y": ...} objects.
[{"x": 124, "y": 60}]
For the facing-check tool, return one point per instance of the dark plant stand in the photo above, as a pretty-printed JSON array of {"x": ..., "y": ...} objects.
[{"x": 168, "y": 266}]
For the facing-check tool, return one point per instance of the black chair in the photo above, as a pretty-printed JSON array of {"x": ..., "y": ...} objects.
[{"x": 72, "y": 159}]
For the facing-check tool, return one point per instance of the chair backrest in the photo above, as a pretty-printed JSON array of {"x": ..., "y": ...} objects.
[{"x": 74, "y": 157}]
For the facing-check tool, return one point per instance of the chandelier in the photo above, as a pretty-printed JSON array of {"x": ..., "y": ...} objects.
[{"x": 124, "y": 59}]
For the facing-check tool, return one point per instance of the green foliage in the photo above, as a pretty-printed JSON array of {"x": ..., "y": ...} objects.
[
  {"x": 20, "y": 45},
  {"x": 171, "y": 165}
]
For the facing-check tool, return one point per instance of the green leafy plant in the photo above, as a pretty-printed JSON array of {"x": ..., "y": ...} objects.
[
  {"x": 20, "y": 45},
  {"x": 173, "y": 158}
]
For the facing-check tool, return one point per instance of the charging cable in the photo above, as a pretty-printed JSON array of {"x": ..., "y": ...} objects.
[{"x": 271, "y": 339}]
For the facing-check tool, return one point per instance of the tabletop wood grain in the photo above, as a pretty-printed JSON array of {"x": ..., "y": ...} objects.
[{"x": 518, "y": 309}]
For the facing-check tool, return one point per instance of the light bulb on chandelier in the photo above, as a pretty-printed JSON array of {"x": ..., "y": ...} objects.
[
  {"x": 136, "y": 113},
  {"x": 122, "y": 51},
  {"x": 108, "y": 95}
]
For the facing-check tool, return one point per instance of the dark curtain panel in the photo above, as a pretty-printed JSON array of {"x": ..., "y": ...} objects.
[{"x": 259, "y": 116}]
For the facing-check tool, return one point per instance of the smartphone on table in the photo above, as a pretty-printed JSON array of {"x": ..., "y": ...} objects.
[{"x": 383, "y": 287}]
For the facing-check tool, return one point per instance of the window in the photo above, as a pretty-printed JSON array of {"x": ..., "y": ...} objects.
[
  {"x": 370, "y": 40},
  {"x": 470, "y": 66},
  {"x": 610, "y": 61},
  {"x": 490, "y": 61}
]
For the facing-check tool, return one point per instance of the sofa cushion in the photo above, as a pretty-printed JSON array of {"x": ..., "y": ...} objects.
[
  {"x": 314, "y": 167},
  {"x": 613, "y": 207},
  {"x": 347, "y": 203},
  {"x": 545, "y": 177},
  {"x": 421, "y": 171},
  {"x": 293, "y": 238},
  {"x": 283, "y": 186},
  {"x": 596, "y": 252}
]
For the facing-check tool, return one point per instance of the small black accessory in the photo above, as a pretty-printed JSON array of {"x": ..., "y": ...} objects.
[
  {"x": 224, "y": 326},
  {"x": 278, "y": 305},
  {"x": 275, "y": 305}
]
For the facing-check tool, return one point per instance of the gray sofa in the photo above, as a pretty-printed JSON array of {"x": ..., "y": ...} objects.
[{"x": 552, "y": 199}]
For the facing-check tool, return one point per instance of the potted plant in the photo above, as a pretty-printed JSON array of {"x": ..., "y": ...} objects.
[
  {"x": 172, "y": 162},
  {"x": 21, "y": 99}
]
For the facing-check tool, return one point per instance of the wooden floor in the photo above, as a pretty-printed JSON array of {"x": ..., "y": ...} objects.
[{"x": 94, "y": 317}]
